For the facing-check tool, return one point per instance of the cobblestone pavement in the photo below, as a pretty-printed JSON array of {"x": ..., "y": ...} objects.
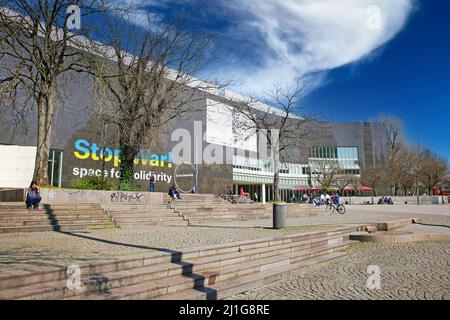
[
  {"x": 427, "y": 214},
  {"x": 58, "y": 248},
  {"x": 408, "y": 271}
]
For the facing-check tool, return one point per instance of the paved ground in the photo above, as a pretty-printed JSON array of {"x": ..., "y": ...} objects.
[
  {"x": 427, "y": 214},
  {"x": 408, "y": 271},
  {"x": 58, "y": 248}
]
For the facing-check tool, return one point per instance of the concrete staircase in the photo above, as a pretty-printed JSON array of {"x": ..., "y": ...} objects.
[
  {"x": 213, "y": 272},
  {"x": 125, "y": 215},
  {"x": 203, "y": 212},
  {"x": 14, "y": 217}
]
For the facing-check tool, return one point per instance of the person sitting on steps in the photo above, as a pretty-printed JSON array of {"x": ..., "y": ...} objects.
[
  {"x": 33, "y": 196},
  {"x": 242, "y": 193},
  {"x": 174, "y": 192}
]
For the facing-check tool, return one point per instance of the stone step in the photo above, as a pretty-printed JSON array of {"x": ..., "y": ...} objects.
[
  {"x": 235, "y": 286},
  {"x": 40, "y": 216},
  {"x": 180, "y": 223},
  {"x": 214, "y": 205},
  {"x": 57, "y": 222},
  {"x": 143, "y": 213},
  {"x": 230, "y": 265},
  {"x": 195, "y": 202},
  {"x": 140, "y": 208},
  {"x": 19, "y": 205},
  {"x": 171, "y": 284},
  {"x": 149, "y": 220},
  {"x": 64, "y": 227},
  {"x": 220, "y": 211},
  {"x": 21, "y": 229},
  {"x": 40, "y": 210},
  {"x": 11, "y": 279}
]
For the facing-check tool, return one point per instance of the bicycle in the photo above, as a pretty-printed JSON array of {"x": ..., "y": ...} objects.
[{"x": 335, "y": 207}]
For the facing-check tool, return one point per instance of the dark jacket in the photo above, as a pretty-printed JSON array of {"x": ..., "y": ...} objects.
[{"x": 32, "y": 192}]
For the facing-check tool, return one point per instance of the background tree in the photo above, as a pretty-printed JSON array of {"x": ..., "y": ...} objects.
[
  {"x": 392, "y": 128},
  {"x": 403, "y": 174},
  {"x": 150, "y": 80},
  {"x": 327, "y": 173},
  {"x": 36, "y": 49},
  {"x": 373, "y": 176},
  {"x": 435, "y": 169},
  {"x": 283, "y": 122}
]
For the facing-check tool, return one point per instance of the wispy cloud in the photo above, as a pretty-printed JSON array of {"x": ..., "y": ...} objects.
[{"x": 269, "y": 41}]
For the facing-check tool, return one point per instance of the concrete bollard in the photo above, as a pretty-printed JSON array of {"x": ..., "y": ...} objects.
[{"x": 279, "y": 215}]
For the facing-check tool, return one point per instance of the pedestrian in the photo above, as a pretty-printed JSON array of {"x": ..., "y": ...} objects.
[
  {"x": 322, "y": 199},
  {"x": 152, "y": 182},
  {"x": 174, "y": 192},
  {"x": 337, "y": 199},
  {"x": 255, "y": 197},
  {"x": 242, "y": 193},
  {"x": 33, "y": 196}
]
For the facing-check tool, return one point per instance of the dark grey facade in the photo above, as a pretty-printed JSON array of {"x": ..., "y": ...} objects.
[{"x": 76, "y": 121}]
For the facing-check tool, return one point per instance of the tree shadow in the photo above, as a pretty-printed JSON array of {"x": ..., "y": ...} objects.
[
  {"x": 34, "y": 260},
  {"x": 199, "y": 281}
]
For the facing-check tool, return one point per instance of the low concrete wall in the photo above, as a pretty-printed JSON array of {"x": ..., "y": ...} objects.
[
  {"x": 397, "y": 200},
  {"x": 12, "y": 195},
  {"x": 70, "y": 196}
]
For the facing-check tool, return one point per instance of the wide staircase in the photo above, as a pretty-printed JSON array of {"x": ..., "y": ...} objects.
[
  {"x": 218, "y": 210},
  {"x": 213, "y": 272},
  {"x": 14, "y": 217},
  {"x": 128, "y": 215}
]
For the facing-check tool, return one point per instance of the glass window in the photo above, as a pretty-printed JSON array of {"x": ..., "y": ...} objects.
[{"x": 55, "y": 167}]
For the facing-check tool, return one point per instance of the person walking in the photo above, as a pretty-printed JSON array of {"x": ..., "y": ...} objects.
[
  {"x": 33, "y": 196},
  {"x": 152, "y": 182},
  {"x": 255, "y": 197}
]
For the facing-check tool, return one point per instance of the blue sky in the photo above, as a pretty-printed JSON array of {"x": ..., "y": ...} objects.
[
  {"x": 409, "y": 78},
  {"x": 354, "y": 72}
]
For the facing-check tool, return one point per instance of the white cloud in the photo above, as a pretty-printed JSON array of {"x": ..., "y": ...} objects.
[
  {"x": 317, "y": 35},
  {"x": 303, "y": 38}
]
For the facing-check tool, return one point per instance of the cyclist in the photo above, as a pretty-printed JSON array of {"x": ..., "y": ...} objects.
[{"x": 337, "y": 199}]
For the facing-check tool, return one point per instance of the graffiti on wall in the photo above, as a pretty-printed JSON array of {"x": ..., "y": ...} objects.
[{"x": 130, "y": 197}]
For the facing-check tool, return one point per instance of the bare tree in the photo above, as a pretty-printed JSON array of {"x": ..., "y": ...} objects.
[
  {"x": 373, "y": 176},
  {"x": 326, "y": 173},
  {"x": 417, "y": 157},
  {"x": 36, "y": 49},
  {"x": 147, "y": 77},
  {"x": 344, "y": 180},
  {"x": 435, "y": 170},
  {"x": 282, "y": 121},
  {"x": 392, "y": 127}
]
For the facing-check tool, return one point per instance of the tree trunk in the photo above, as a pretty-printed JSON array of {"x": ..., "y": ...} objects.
[
  {"x": 44, "y": 135},
  {"x": 276, "y": 170},
  {"x": 417, "y": 192},
  {"x": 126, "y": 167},
  {"x": 276, "y": 186}
]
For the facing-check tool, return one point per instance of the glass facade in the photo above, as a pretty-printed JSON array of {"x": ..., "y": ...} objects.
[{"x": 345, "y": 155}]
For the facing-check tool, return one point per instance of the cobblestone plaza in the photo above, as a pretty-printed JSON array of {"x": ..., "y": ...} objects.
[{"x": 418, "y": 270}]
